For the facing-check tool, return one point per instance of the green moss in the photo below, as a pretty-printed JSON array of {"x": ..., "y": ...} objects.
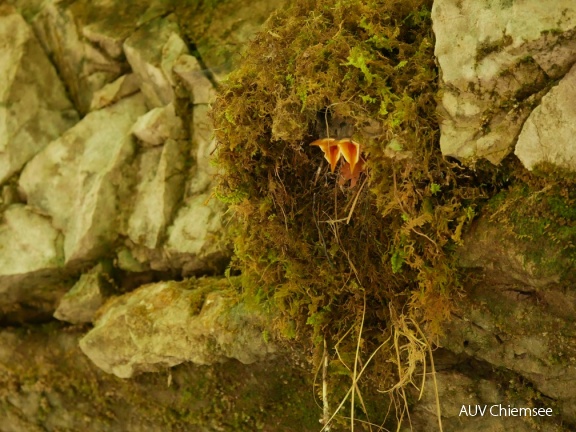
[
  {"x": 49, "y": 367},
  {"x": 542, "y": 215},
  {"x": 308, "y": 248}
]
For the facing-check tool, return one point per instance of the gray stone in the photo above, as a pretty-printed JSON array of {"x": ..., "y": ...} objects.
[
  {"x": 81, "y": 303},
  {"x": 111, "y": 93},
  {"x": 220, "y": 34},
  {"x": 518, "y": 311},
  {"x": 548, "y": 134},
  {"x": 497, "y": 60},
  {"x": 195, "y": 80},
  {"x": 203, "y": 145},
  {"x": 75, "y": 179},
  {"x": 456, "y": 391},
  {"x": 31, "y": 259},
  {"x": 196, "y": 240},
  {"x": 160, "y": 188},
  {"x": 164, "y": 324},
  {"x": 34, "y": 108},
  {"x": 158, "y": 125},
  {"x": 126, "y": 261},
  {"x": 152, "y": 52},
  {"x": 83, "y": 66}
]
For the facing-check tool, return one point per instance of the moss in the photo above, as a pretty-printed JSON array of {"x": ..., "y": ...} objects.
[
  {"x": 47, "y": 365},
  {"x": 545, "y": 223},
  {"x": 321, "y": 254},
  {"x": 487, "y": 48}
]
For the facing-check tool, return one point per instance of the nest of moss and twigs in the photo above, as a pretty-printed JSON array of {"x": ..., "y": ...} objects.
[{"x": 366, "y": 271}]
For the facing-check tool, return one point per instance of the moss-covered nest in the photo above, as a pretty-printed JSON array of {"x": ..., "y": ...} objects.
[{"x": 337, "y": 260}]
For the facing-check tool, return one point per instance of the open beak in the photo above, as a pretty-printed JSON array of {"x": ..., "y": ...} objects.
[
  {"x": 351, "y": 152},
  {"x": 331, "y": 149}
]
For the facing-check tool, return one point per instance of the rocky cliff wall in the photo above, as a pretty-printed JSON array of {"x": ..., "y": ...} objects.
[{"x": 114, "y": 247}]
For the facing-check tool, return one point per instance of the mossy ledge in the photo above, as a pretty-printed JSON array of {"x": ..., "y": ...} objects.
[{"x": 369, "y": 269}]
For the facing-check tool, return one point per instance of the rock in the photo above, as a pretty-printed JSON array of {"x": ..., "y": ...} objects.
[
  {"x": 460, "y": 396},
  {"x": 47, "y": 384},
  {"x": 158, "y": 125},
  {"x": 77, "y": 179},
  {"x": 111, "y": 93},
  {"x": 548, "y": 134},
  {"x": 85, "y": 39},
  {"x": 195, "y": 240},
  {"x": 518, "y": 311},
  {"x": 31, "y": 261},
  {"x": 203, "y": 145},
  {"x": 82, "y": 65},
  {"x": 126, "y": 261},
  {"x": 34, "y": 108},
  {"x": 221, "y": 32},
  {"x": 497, "y": 60},
  {"x": 168, "y": 323},
  {"x": 10, "y": 195},
  {"x": 152, "y": 52},
  {"x": 159, "y": 190},
  {"x": 80, "y": 304},
  {"x": 195, "y": 80}
]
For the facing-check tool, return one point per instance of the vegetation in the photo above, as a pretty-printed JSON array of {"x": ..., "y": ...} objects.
[{"x": 369, "y": 269}]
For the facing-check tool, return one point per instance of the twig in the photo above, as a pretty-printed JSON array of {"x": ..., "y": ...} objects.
[
  {"x": 355, "y": 201},
  {"x": 326, "y": 410}
]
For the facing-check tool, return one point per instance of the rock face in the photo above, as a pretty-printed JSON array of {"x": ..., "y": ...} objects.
[
  {"x": 34, "y": 108},
  {"x": 159, "y": 190},
  {"x": 75, "y": 179},
  {"x": 130, "y": 335},
  {"x": 548, "y": 134},
  {"x": 516, "y": 319},
  {"x": 85, "y": 39},
  {"x": 220, "y": 32},
  {"x": 81, "y": 303},
  {"x": 152, "y": 52},
  {"x": 47, "y": 384},
  {"x": 498, "y": 58},
  {"x": 31, "y": 260},
  {"x": 105, "y": 183}
]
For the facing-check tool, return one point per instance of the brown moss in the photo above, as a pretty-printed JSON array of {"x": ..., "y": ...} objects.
[{"x": 309, "y": 247}]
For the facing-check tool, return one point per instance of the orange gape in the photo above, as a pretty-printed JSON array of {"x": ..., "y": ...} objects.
[
  {"x": 347, "y": 148},
  {"x": 351, "y": 152},
  {"x": 331, "y": 150}
]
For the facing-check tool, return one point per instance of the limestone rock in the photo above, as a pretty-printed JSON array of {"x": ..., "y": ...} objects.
[
  {"x": 126, "y": 261},
  {"x": 76, "y": 179},
  {"x": 456, "y": 390},
  {"x": 34, "y": 108},
  {"x": 82, "y": 65},
  {"x": 220, "y": 34},
  {"x": 47, "y": 384},
  {"x": 497, "y": 59},
  {"x": 152, "y": 52},
  {"x": 191, "y": 73},
  {"x": 203, "y": 145},
  {"x": 518, "y": 312},
  {"x": 158, "y": 125},
  {"x": 195, "y": 240},
  {"x": 548, "y": 134},
  {"x": 167, "y": 323},
  {"x": 111, "y": 93},
  {"x": 31, "y": 259},
  {"x": 160, "y": 188},
  {"x": 81, "y": 303}
]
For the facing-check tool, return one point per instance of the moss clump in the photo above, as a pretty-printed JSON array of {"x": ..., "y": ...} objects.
[{"x": 329, "y": 257}]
